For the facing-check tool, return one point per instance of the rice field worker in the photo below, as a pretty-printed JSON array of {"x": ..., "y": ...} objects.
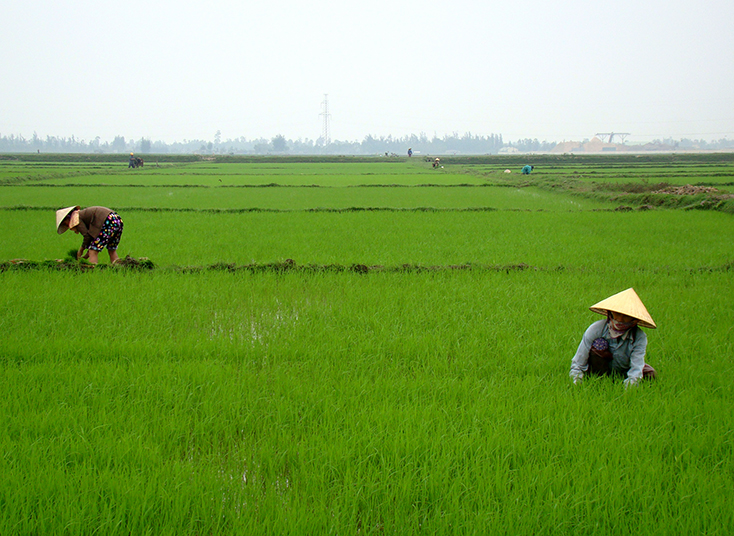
[
  {"x": 527, "y": 169},
  {"x": 100, "y": 227},
  {"x": 616, "y": 345}
]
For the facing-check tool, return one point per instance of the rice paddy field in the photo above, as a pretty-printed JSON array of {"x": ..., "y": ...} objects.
[{"x": 326, "y": 346}]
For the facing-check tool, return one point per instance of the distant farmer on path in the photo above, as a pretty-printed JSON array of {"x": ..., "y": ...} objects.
[
  {"x": 100, "y": 226},
  {"x": 527, "y": 169},
  {"x": 616, "y": 345}
]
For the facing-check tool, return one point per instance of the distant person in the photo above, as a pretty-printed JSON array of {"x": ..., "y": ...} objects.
[
  {"x": 616, "y": 346},
  {"x": 131, "y": 162},
  {"x": 99, "y": 226},
  {"x": 527, "y": 169},
  {"x": 410, "y": 152},
  {"x": 436, "y": 162}
]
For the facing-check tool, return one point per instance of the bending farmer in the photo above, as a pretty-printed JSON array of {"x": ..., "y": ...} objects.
[
  {"x": 100, "y": 226},
  {"x": 616, "y": 345}
]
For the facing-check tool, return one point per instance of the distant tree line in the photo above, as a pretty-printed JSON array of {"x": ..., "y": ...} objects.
[
  {"x": 371, "y": 145},
  {"x": 685, "y": 143},
  {"x": 533, "y": 146}
]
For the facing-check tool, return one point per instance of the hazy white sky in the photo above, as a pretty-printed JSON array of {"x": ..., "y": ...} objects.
[{"x": 170, "y": 70}]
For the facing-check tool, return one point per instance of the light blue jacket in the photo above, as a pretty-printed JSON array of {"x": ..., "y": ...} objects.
[{"x": 628, "y": 353}]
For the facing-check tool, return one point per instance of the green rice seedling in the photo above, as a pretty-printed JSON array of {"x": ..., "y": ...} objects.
[
  {"x": 651, "y": 240},
  {"x": 296, "y": 198},
  {"x": 285, "y": 174},
  {"x": 426, "y": 391},
  {"x": 410, "y": 402}
]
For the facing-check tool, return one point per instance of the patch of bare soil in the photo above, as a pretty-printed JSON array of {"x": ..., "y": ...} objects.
[{"x": 688, "y": 189}]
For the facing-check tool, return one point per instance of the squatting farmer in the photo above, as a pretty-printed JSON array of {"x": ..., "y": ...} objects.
[
  {"x": 99, "y": 226},
  {"x": 616, "y": 345},
  {"x": 527, "y": 169}
]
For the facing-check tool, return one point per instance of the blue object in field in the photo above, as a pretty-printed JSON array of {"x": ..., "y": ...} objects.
[{"x": 526, "y": 170}]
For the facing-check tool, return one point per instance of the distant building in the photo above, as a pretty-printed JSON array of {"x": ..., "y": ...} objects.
[{"x": 594, "y": 145}]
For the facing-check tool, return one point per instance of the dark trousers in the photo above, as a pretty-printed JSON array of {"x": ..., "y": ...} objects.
[{"x": 600, "y": 364}]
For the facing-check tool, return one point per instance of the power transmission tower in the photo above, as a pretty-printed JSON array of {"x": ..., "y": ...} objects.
[{"x": 326, "y": 116}]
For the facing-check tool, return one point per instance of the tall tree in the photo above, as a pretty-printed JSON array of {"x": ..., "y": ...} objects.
[{"x": 279, "y": 144}]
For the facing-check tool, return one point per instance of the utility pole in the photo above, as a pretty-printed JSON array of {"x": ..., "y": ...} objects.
[{"x": 326, "y": 116}]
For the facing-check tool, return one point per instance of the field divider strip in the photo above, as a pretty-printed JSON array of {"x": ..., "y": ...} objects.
[
  {"x": 271, "y": 185},
  {"x": 341, "y": 210},
  {"x": 283, "y": 210},
  {"x": 289, "y": 265}
]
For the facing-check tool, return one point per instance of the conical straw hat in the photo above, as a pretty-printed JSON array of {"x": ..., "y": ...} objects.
[
  {"x": 627, "y": 303},
  {"x": 60, "y": 215}
]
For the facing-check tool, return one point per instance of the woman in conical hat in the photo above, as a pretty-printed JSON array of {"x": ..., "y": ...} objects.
[
  {"x": 100, "y": 226},
  {"x": 616, "y": 344}
]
